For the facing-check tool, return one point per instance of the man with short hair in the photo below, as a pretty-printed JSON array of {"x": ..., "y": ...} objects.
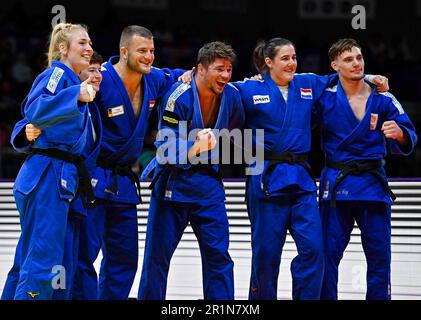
[
  {"x": 126, "y": 98},
  {"x": 184, "y": 192},
  {"x": 356, "y": 123}
]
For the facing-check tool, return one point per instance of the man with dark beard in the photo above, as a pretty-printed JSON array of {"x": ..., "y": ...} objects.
[{"x": 127, "y": 96}]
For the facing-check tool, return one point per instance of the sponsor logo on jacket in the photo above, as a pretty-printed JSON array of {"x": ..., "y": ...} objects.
[{"x": 261, "y": 99}]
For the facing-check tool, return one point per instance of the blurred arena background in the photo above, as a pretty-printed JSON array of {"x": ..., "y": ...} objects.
[{"x": 391, "y": 47}]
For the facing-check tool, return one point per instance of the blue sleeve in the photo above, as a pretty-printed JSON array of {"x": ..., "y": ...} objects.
[
  {"x": 394, "y": 111},
  {"x": 238, "y": 84},
  {"x": 18, "y": 138},
  {"x": 238, "y": 115},
  {"x": 316, "y": 114},
  {"x": 172, "y": 140},
  {"x": 320, "y": 83},
  {"x": 167, "y": 77},
  {"x": 45, "y": 109}
]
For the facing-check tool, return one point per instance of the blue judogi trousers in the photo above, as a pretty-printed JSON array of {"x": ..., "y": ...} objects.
[
  {"x": 111, "y": 227},
  {"x": 166, "y": 223},
  {"x": 373, "y": 219},
  {"x": 270, "y": 219}
]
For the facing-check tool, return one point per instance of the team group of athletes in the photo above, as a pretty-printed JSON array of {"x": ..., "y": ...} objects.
[{"x": 83, "y": 127}]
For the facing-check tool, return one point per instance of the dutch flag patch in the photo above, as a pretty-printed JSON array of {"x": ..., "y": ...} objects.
[{"x": 306, "y": 93}]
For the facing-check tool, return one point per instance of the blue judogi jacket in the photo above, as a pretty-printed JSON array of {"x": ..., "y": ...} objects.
[
  {"x": 346, "y": 139},
  {"x": 89, "y": 154},
  {"x": 287, "y": 125},
  {"x": 180, "y": 120},
  {"x": 123, "y": 134},
  {"x": 52, "y": 105}
]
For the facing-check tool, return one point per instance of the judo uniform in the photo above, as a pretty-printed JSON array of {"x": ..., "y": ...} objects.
[
  {"x": 283, "y": 197},
  {"x": 112, "y": 224},
  {"x": 353, "y": 184},
  {"x": 185, "y": 193},
  {"x": 45, "y": 185},
  {"x": 77, "y": 210}
]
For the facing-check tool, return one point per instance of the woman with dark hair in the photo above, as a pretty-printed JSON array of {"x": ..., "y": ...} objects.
[{"x": 283, "y": 196}]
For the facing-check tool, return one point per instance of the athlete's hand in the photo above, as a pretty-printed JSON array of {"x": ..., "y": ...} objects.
[
  {"x": 381, "y": 82},
  {"x": 255, "y": 77},
  {"x": 392, "y": 130},
  {"x": 205, "y": 141},
  {"x": 32, "y": 132},
  {"x": 87, "y": 92},
  {"x": 186, "y": 77}
]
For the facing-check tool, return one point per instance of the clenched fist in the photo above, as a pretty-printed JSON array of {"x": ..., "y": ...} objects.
[
  {"x": 205, "y": 141},
  {"x": 392, "y": 131},
  {"x": 32, "y": 132}
]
